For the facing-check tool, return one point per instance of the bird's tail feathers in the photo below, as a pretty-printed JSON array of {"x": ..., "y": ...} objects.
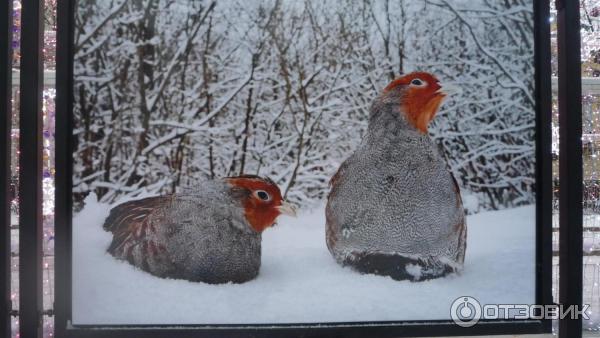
[{"x": 401, "y": 267}]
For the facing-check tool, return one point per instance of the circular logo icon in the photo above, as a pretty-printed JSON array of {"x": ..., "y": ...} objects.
[{"x": 465, "y": 311}]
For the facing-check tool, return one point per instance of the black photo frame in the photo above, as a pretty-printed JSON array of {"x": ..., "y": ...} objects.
[{"x": 63, "y": 245}]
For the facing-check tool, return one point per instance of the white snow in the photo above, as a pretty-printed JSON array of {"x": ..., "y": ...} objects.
[
  {"x": 414, "y": 270},
  {"x": 299, "y": 282}
]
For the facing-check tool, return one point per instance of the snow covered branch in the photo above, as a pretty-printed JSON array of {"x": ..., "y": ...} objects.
[{"x": 167, "y": 94}]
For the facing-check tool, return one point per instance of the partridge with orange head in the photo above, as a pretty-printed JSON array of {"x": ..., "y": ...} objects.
[
  {"x": 211, "y": 233},
  {"x": 394, "y": 209}
]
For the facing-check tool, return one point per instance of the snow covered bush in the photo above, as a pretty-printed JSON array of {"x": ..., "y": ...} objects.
[{"x": 169, "y": 92}]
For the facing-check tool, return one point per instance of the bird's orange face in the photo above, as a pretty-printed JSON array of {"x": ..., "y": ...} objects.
[
  {"x": 261, "y": 199},
  {"x": 421, "y": 97}
]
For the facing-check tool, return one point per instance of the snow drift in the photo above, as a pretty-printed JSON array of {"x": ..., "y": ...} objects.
[{"x": 299, "y": 281}]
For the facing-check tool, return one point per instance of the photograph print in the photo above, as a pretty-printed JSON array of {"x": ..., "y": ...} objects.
[{"x": 301, "y": 161}]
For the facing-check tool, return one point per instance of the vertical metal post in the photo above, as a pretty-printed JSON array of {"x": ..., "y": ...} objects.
[
  {"x": 6, "y": 22},
  {"x": 570, "y": 163},
  {"x": 62, "y": 220},
  {"x": 543, "y": 92},
  {"x": 30, "y": 162}
]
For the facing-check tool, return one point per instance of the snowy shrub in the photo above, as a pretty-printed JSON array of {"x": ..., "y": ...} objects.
[{"x": 170, "y": 92}]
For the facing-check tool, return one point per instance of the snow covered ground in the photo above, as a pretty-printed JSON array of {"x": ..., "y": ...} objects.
[{"x": 299, "y": 281}]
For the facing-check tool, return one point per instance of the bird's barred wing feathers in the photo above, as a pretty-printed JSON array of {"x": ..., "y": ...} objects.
[
  {"x": 132, "y": 213},
  {"x": 461, "y": 226},
  {"x": 338, "y": 173},
  {"x": 133, "y": 227},
  {"x": 331, "y": 221}
]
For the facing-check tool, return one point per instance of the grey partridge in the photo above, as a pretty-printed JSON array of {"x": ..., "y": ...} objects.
[
  {"x": 394, "y": 209},
  {"x": 211, "y": 233}
]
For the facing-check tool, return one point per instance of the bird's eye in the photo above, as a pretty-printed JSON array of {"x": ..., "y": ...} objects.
[
  {"x": 417, "y": 82},
  {"x": 262, "y": 195}
]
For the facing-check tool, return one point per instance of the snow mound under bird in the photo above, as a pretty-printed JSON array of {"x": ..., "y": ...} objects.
[{"x": 297, "y": 274}]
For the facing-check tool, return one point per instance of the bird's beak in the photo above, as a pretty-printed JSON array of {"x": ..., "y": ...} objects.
[
  {"x": 287, "y": 209},
  {"x": 448, "y": 89}
]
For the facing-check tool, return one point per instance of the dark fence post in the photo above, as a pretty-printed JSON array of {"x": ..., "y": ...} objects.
[
  {"x": 62, "y": 216},
  {"x": 6, "y": 14},
  {"x": 570, "y": 163},
  {"x": 543, "y": 91},
  {"x": 30, "y": 178}
]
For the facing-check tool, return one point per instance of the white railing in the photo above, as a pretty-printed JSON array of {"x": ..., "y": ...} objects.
[
  {"x": 590, "y": 85},
  {"x": 49, "y": 78}
]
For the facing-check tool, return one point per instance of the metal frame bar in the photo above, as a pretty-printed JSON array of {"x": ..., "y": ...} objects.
[
  {"x": 63, "y": 177},
  {"x": 570, "y": 164},
  {"x": 6, "y": 22},
  {"x": 63, "y": 219},
  {"x": 543, "y": 96},
  {"x": 30, "y": 162}
]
